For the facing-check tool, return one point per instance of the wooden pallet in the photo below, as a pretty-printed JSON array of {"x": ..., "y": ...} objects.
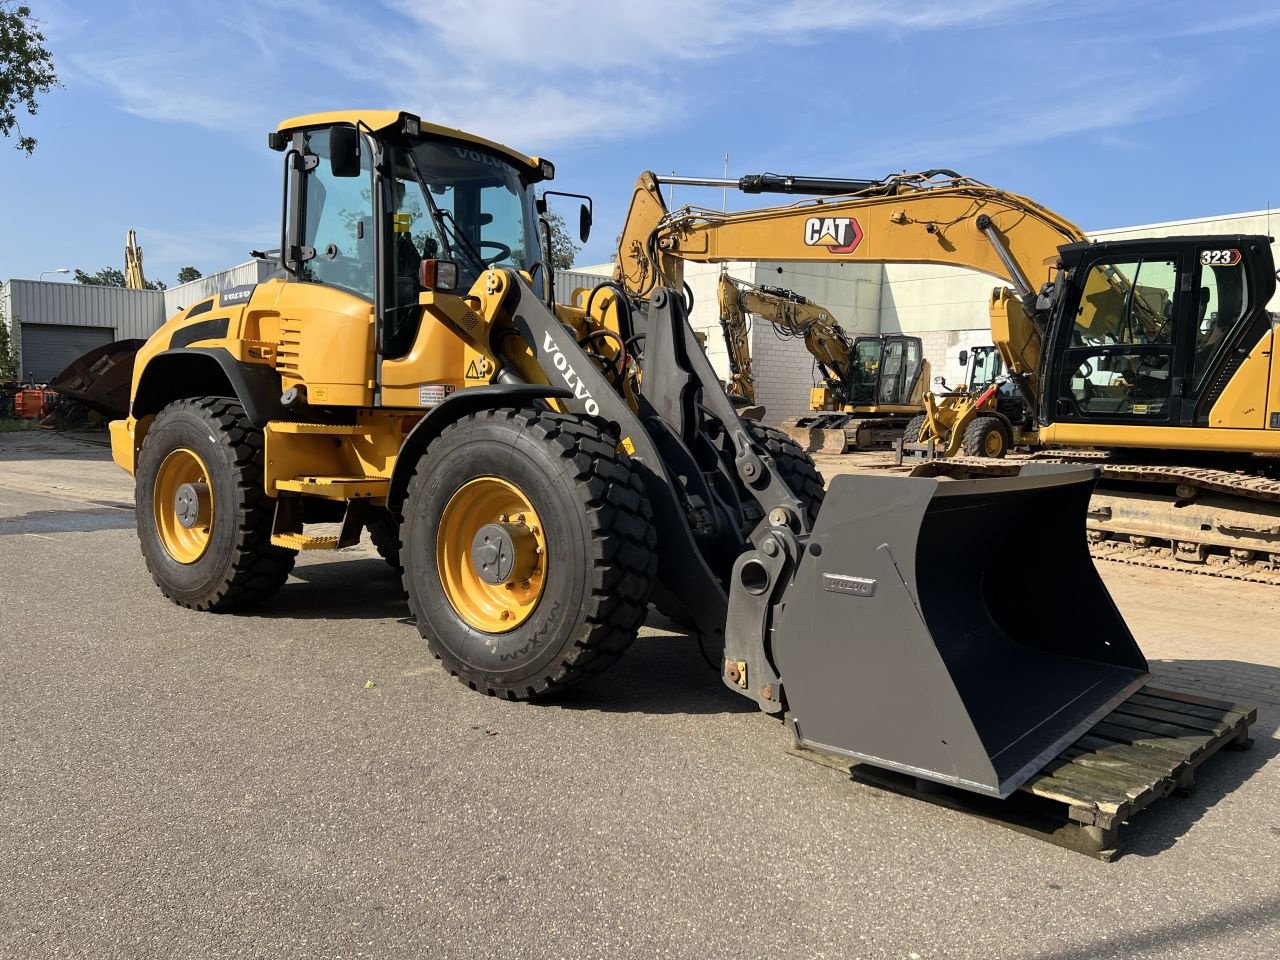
[{"x": 1147, "y": 748}]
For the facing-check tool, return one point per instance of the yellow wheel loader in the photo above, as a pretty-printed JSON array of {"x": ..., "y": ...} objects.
[{"x": 541, "y": 473}]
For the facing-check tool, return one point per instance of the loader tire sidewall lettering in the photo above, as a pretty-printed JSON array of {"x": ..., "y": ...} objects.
[{"x": 528, "y": 649}]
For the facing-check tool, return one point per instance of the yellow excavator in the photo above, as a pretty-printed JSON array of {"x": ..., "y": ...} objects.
[
  {"x": 1151, "y": 359},
  {"x": 133, "y": 276},
  {"x": 872, "y": 385},
  {"x": 540, "y": 473}
]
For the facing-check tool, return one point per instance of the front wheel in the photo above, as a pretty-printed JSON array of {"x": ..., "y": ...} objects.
[
  {"x": 204, "y": 518},
  {"x": 986, "y": 437},
  {"x": 528, "y": 549}
]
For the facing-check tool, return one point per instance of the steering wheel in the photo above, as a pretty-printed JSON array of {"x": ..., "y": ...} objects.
[{"x": 504, "y": 252}]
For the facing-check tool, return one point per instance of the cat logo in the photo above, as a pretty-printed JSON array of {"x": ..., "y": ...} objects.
[{"x": 837, "y": 234}]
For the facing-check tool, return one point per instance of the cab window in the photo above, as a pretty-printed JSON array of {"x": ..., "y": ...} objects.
[
  {"x": 1127, "y": 302},
  {"x": 338, "y": 222},
  {"x": 1222, "y": 300}
]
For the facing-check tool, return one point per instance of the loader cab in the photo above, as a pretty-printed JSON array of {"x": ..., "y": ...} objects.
[
  {"x": 383, "y": 207},
  {"x": 1152, "y": 332}
]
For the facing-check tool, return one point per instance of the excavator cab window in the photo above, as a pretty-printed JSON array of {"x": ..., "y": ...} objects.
[
  {"x": 1222, "y": 300},
  {"x": 864, "y": 370},
  {"x": 1120, "y": 362},
  {"x": 899, "y": 370}
]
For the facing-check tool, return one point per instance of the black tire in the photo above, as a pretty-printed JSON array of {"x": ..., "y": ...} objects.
[
  {"x": 911, "y": 433},
  {"x": 239, "y": 566},
  {"x": 796, "y": 467},
  {"x": 384, "y": 534},
  {"x": 986, "y": 437},
  {"x": 601, "y": 542}
]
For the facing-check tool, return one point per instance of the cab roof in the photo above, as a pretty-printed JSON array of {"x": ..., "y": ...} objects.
[{"x": 379, "y": 120}]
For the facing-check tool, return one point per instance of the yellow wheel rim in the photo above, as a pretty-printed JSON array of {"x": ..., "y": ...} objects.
[
  {"x": 993, "y": 446},
  {"x": 491, "y": 554},
  {"x": 183, "y": 503}
]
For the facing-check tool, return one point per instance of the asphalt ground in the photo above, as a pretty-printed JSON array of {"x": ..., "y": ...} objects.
[{"x": 305, "y": 781}]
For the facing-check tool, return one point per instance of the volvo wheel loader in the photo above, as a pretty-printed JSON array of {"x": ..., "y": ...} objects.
[
  {"x": 871, "y": 385},
  {"x": 541, "y": 473},
  {"x": 1151, "y": 359}
]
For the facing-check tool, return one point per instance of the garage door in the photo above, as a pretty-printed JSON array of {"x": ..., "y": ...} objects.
[{"x": 48, "y": 348}]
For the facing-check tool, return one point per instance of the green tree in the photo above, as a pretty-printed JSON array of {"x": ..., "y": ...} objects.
[
  {"x": 26, "y": 70},
  {"x": 111, "y": 277},
  {"x": 563, "y": 250},
  {"x": 187, "y": 274},
  {"x": 8, "y": 362}
]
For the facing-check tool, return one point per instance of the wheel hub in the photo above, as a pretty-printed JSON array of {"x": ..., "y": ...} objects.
[
  {"x": 491, "y": 554},
  {"x": 183, "y": 505},
  {"x": 503, "y": 552},
  {"x": 191, "y": 504}
]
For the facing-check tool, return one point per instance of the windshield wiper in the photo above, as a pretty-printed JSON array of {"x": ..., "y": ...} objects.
[{"x": 438, "y": 218}]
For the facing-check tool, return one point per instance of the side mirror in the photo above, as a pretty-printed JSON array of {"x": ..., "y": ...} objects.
[
  {"x": 941, "y": 381},
  {"x": 540, "y": 204},
  {"x": 344, "y": 151},
  {"x": 584, "y": 222},
  {"x": 964, "y": 357}
]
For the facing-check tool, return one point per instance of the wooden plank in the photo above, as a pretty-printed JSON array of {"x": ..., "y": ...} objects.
[
  {"x": 1250, "y": 713},
  {"x": 1158, "y": 761},
  {"x": 1176, "y": 719},
  {"x": 1156, "y": 731},
  {"x": 1131, "y": 772},
  {"x": 1140, "y": 738},
  {"x": 1190, "y": 709},
  {"x": 1105, "y": 785}
]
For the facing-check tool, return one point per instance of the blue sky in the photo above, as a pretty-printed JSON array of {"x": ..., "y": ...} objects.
[{"x": 1112, "y": 113}]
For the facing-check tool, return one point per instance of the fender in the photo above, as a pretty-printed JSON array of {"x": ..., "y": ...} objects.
[
  {"x": 209, "y": 372},
  {"x": 453, "y": 408}
]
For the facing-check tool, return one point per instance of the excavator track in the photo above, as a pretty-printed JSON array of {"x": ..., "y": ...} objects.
[
  {"x": 1199, "y": 520},
  {"x": 845, "y": 432}
]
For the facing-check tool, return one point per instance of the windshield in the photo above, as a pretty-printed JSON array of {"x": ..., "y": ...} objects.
[{"x": 460, "y": 202}]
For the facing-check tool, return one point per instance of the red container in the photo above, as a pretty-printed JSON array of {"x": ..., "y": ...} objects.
[{"x": 33, "y": 404}]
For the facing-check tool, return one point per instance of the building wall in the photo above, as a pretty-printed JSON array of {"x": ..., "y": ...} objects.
[{"x": 128, "y": 314}]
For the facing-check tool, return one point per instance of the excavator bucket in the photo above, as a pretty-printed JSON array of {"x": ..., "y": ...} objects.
[{"x": 954, "y": 630}]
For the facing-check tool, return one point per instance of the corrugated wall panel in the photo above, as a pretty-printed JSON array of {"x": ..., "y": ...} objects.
[
  {"x": 568, "y": 280},
  {"x": 130, "y": 313}
]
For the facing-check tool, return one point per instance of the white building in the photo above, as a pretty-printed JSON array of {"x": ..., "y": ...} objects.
[{"x": 946, "y": 307}]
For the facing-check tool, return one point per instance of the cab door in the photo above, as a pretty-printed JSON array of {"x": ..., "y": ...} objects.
[{"x": 1123, "y": 353}]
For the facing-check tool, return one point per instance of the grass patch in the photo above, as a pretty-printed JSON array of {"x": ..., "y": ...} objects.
[{"x": 8, "y": 425}]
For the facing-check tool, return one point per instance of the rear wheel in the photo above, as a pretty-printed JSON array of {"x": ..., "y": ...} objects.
[
  {"x": 528, "y": 550},
  {"x": 986, "y": 437},
  {"x": 204, "y": 519}
]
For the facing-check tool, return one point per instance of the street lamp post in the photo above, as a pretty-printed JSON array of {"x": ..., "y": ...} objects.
[{"x": 59, "y": 270}]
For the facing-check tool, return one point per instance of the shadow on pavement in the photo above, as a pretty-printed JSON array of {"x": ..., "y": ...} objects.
[
  {"x": 1179, "y": 935},
  {"x": 355, "y": 588},
  {"x": 47, "y": 523},
  {"x": 663, "y": 672}
]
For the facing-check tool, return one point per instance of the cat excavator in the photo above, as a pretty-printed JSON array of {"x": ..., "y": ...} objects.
[
  {"x": 871, "y": 385},
  {"x": 539, "y": 473},
  {"x": 1150, "y": 359}
]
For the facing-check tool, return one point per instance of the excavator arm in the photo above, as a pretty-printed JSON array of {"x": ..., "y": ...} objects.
[
  {"x": 792, "y": 315},
  {"x": 930, "y": 217}
]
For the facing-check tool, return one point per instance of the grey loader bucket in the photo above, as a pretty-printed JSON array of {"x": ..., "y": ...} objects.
[{"x": 955, "y": 630}]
